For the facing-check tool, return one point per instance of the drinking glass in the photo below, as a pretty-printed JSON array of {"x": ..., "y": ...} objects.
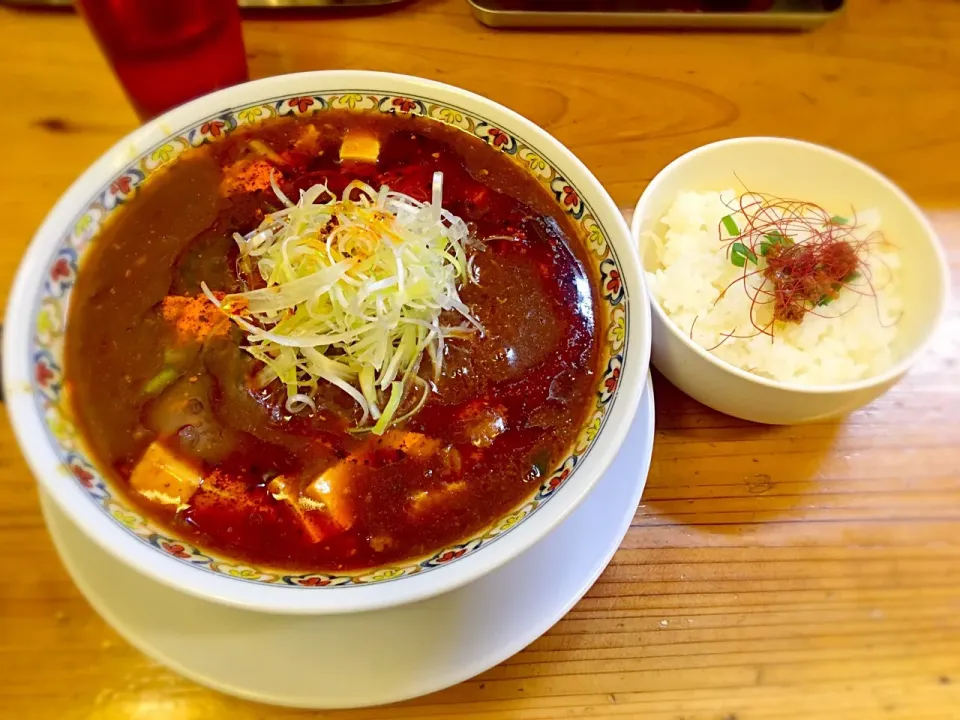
[{"x": 166, "y": 52}]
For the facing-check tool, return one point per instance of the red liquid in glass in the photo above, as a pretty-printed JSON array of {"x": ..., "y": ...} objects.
[{"x": 166, "y": 52}]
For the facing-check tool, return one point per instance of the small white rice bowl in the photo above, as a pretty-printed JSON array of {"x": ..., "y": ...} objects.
[{"x": 700, "y": 290}]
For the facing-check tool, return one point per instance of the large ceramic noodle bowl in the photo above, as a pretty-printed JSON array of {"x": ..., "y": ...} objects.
[{"x": 326, "y": 342}]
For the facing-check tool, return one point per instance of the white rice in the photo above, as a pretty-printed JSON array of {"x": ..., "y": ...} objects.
[{"x": 850, "y": 341}]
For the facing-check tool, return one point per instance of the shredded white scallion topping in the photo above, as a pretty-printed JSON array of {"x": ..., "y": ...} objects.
[{"x": 355, "y": 287}]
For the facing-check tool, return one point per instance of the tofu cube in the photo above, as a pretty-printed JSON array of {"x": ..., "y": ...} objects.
[
  {"x": 331, "y": 490},
  {"x": 423, "y": 501},
  {"x": 412, "y": 444},
  {"x": 163, "y": 478},
  {"x": 285, "y": 491},
  {"x": 360, "y": 146},
  {"x": 323, "y": 507}
]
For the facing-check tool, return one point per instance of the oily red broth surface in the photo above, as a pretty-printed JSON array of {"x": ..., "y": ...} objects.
[{"x": 505, "y": 410}]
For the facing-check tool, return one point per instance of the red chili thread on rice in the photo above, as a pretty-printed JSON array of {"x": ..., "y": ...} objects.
[{"x": 796, "y": 276}]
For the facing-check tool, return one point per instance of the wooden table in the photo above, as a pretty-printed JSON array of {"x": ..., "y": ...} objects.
[{"x": 808, "y": 572}]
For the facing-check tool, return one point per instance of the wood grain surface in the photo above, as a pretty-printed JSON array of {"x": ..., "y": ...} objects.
[{"x": 780, "y": 573}]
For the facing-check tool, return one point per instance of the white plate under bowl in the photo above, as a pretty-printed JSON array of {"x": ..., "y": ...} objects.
[{"x": 369, "y": 658}]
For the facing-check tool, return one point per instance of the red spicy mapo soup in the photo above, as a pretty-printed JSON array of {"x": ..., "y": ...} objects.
[{"x": 335, "y": 342}]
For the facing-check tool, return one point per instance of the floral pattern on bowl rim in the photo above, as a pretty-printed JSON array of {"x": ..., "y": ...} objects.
[{"x": 50, "y": 314}]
